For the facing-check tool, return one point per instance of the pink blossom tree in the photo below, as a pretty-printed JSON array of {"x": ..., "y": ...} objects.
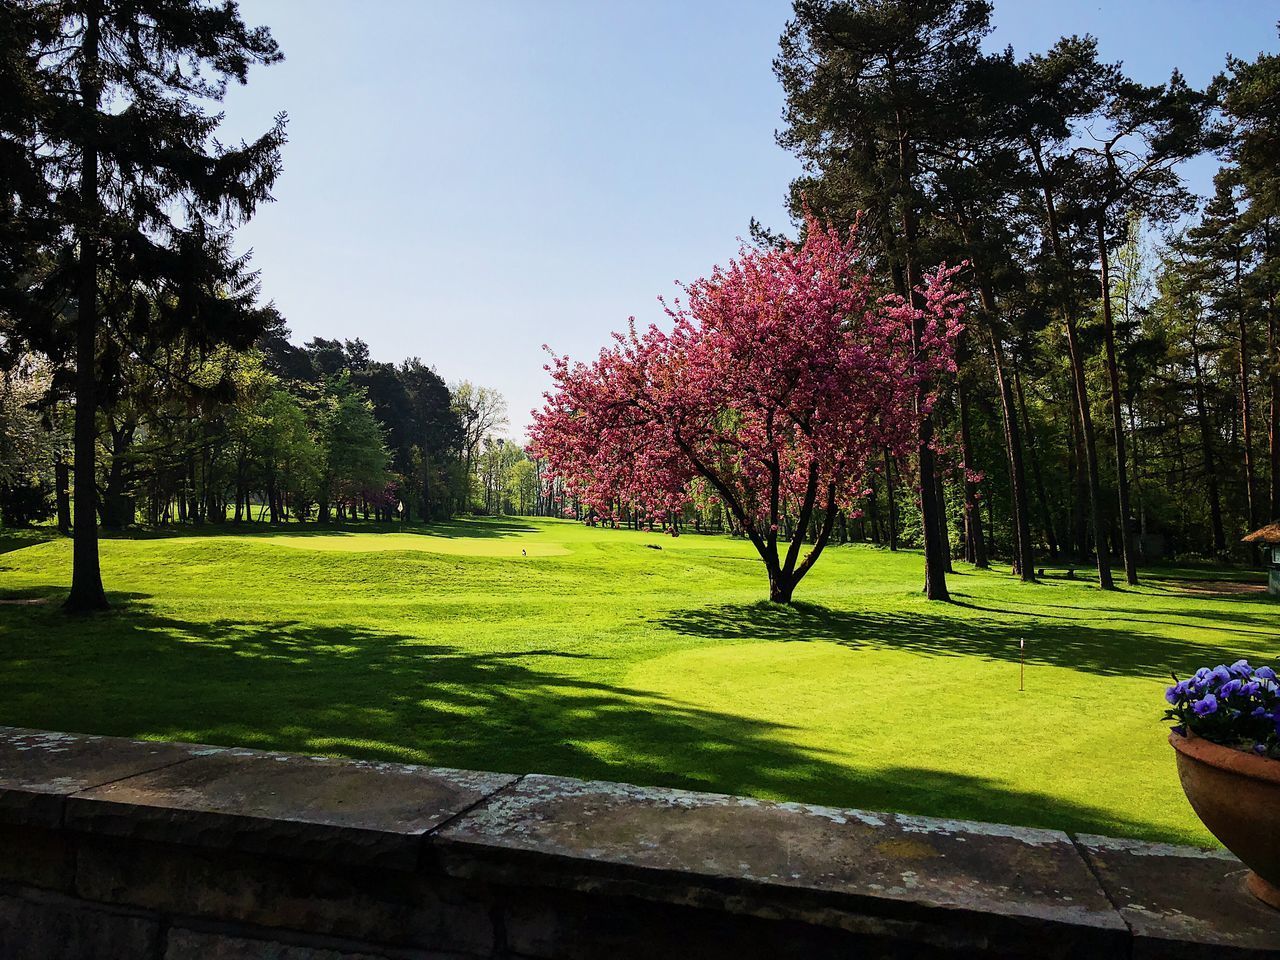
[{"x": 782, "y": 376}]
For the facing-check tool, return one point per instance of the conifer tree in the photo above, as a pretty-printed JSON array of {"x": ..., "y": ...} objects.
[
  {"x": 1150, "y": 130},
  {"x": 1249, "y": 92},
  {"x": 144, "y": 197},
  {"x": 873, "y": 91}
]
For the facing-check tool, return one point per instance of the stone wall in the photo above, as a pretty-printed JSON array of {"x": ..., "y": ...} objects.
[{"x": 114, "y": 848}]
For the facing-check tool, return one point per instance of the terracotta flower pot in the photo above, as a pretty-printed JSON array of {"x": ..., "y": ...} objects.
[{"x": 1237, "y": 796}]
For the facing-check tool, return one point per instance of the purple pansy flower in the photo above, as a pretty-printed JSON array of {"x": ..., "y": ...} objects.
[{"x": 1235, "y": 705}]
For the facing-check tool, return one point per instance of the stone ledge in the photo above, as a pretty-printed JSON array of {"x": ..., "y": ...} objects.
[
  {"x": 480, "y": 864},
  {"x": 346, "y": 811},
  {"x": 976, "y": 886},
  {"x": 1182, "y": 902},
  {"x": 40, "y": 769}
]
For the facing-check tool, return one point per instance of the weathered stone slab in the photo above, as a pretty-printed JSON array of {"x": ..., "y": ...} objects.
[
  {"x": 1182, "y": 902},
  {"x": 39, "y": 770},
  {"x": 41, "y": 926},
  {"x": 968, "y": 886},
  {"x": 286, "y": 805}
]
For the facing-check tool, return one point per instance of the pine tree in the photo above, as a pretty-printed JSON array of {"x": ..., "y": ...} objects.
[
  {"x": 873, "y": 97},
  {"x": 144, "y": 195},
  {"x": 1057, "y": 90},
  {"x": 1250, "y": 96},
  {"x": 1150, "y": 130}
]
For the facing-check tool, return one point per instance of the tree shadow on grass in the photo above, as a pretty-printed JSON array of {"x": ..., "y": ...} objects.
[
  {"x": 1262, "y": 623},
  {"x": 1216, "y": 611},
  {"x": 348, "y": 690},
  {"x": 1107, "y": 650}
]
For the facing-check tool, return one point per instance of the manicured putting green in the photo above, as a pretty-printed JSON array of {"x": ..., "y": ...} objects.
[
  {"x": 514, "y": 546},
  {"x": 595, "y": 655}
]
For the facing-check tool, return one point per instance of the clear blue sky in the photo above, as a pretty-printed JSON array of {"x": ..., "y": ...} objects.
[{"x": 466, "y": 181}]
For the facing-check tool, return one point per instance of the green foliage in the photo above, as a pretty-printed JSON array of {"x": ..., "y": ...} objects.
[
  {"x": 28, "y": 442},
  {"x": 284, "y": 449},
  {"x": 353, "y": 453},
  {"x": 506, "y": 478}
]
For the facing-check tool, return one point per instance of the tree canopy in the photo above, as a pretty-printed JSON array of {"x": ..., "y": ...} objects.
[{"x": 783, "y": 377}]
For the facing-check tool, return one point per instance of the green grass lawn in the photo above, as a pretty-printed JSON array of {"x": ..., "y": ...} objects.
[{"x": 595, "y": 656}]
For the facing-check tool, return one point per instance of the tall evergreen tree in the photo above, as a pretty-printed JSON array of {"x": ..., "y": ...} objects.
[
  {"x": 436, "y": 431},
  {"x": 874, "y": 96},
  {"x": 1249, "y": 92},
  {"x": 1150, "y": 130},
  {"x": 146, "y": 197},
  {"x": 1057, "y": 91},
  {"x": 977, "y": 188}
]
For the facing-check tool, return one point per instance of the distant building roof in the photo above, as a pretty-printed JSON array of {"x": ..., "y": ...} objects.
[{"x": 1269, "y": 534}]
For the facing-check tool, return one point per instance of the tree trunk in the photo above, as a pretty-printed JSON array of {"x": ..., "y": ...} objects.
[
  {"x": 1272, "y": 366},
  {"x": 1023, "y": 552},
  {"x": 1089, "y": 444},
  {"x": 86, "y": 575},
  {"x": 1135, "y": 446},
  {"x": 1246, "y": 405},
  {"x": 935, "y": 560},
  {"x": 1087, "y": 435},
  {"x": 944, "y": 531},
  {"x": 1210, "y": 460},
  {"x": 975, "y": 542},
  {"x": 891, "y": 497},
  {"x": 1022, "y": 545},
  {"x": 114, "y": 506},
  {"x": 211, "y": 500},
  {"x": 62, "y": 481},
  {"x": 873, "y": 509},
  {"x": 1273, "y": 418},
  {"x": 1117, "y": 418},
  {"x": 1079, "y": 486},
  {"x": 1013, "y": 440},
  {"x": 1046, "y": 516},
  {"x": 426, "y": 487}
]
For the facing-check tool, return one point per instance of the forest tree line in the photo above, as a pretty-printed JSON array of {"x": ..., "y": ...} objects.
[
  {"x": 276, "y": 433},
  {"x": 1117, "y": 398},
  {"x": 1118, "y": 392},
  {"x": 142, "y": 377}
]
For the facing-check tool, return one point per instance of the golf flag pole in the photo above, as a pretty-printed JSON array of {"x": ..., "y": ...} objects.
[{"x": 1022, "y": 664}]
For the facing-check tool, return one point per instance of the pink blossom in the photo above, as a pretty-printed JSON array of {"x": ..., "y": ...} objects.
[{"x": 782, "y": 378}]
